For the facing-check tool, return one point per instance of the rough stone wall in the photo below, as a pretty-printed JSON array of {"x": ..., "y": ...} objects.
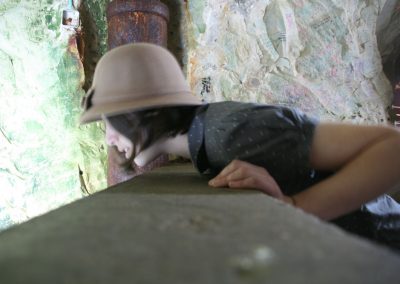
[
  {"x": 319, "y": 56},
  {"x": 46, "y": 160}
]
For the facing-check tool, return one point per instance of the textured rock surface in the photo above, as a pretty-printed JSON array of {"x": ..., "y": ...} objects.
[
  {"x": 42, "y": 150},
  {"x": 168, "y": 226},
  {"x": 319, "y": 56}
]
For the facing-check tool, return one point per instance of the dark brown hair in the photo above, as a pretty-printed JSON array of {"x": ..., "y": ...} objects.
[{"x": 146, "y": 127}]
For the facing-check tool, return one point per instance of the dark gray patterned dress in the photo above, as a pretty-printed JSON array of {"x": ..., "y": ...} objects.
[{"x": 274, "y": 137}]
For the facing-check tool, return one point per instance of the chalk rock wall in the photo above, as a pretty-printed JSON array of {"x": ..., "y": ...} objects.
[
  {"x": 46, "y": 159},
  {"x": 318, "y": 56}
]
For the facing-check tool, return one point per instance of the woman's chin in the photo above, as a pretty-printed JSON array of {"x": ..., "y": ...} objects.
[
  {"x": 140, "y": 162},
  {"x": 143, "y": 160}
]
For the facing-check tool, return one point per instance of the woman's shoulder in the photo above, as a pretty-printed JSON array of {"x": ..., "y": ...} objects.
[
  {"x": 240, "y": 113},
  {"x": 231, "y": 106}
]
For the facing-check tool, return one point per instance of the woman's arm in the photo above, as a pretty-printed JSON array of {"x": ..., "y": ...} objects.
[{"x": 366, "y": 160}]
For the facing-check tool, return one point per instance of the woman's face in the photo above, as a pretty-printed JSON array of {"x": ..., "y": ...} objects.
[{"x": 115, "y": 138}]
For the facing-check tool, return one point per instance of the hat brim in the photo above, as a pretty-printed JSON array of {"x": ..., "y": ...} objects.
[{"x": 114, "y": 108}]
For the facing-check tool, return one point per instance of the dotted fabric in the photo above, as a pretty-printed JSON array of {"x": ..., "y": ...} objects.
[{"x": 274, "y": 137}]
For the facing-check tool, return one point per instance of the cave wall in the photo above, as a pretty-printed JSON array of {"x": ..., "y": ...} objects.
[{"x": 45, "y": 158}]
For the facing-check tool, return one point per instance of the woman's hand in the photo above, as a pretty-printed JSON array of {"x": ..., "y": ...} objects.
[{"x": 239, "y": 174}]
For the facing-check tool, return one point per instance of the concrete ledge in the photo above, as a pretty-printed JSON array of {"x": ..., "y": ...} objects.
[{"x": 169, "y": 227}]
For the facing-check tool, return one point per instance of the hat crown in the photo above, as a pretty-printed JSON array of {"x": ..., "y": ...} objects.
[
  {"x": 137, "y": 70},
  {"x": 136, "y": 76}
]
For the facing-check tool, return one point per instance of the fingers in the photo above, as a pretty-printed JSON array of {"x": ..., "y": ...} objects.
[
  {"x": 248, "y": 182},
  {"x": 235, "y": 170},
  {"x": 231, "y": 167},
  {"x": 264, "y": 183},
  {"x": 222, "y": 181},
  {"x": 239, "y": 174}
]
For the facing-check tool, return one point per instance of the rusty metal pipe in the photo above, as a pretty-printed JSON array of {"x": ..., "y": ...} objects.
[
  {"x": 137, "y": 21},
  {"x": 132, "y": 21}
]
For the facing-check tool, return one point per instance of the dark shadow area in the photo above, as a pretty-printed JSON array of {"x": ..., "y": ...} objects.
[
  {"x": 388, "y": 39},
  {"x": 174, "y": 28},
  {"x": 378, "y": 221},
  {"x": 391, "y": 68},
  {"x": 89, "y": 45}
]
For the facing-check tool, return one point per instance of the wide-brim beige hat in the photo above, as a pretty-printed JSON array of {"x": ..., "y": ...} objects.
[{"x": 135, "y": 77}]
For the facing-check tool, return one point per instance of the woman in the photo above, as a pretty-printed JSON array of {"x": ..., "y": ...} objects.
[{"x": 327, "y": 169}]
